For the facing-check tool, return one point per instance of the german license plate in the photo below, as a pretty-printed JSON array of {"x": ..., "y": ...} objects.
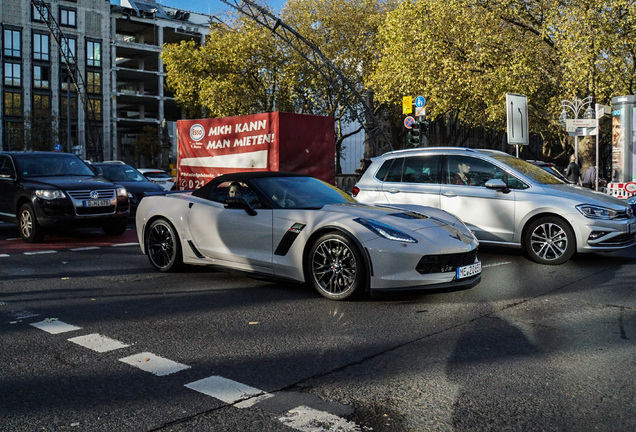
[
  {"x": 97, "y": 203},
  {"x": 469, "y": 270}
]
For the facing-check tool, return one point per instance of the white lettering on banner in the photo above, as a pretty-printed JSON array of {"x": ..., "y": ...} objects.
[
  {"x": 253, "y": 140},
  {"x": 218, "y": 144},
  {"x": 250, "y": 126},
  {"x": 220, "y": 130},
  {"x": 256, "y": 159}
]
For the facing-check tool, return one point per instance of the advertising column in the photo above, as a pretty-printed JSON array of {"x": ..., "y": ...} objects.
[{"x": 623, "y": 143}]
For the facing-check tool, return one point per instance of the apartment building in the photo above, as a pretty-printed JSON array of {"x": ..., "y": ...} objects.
[{"x": 118, "y": 88}]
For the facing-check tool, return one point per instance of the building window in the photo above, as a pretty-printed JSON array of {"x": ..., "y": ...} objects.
[
  {"x": 41, "y": 103},
  {"x": 96, "y": 106},
  {"x": 94, "y": 82},
  {"x": 12, "y": 103},
  {"x": 67, "y": 17},
  {"x": 68, "y": 48},
  {"x": 64, "y": 107},
  {"x": 13, "y": 74},
  {"x": 40, "y": 47},
  {"x": 93, "y": 53},
  {"x": 37, "y": 16},
  {"x": 65, "y": 80},
  {"x": 12, "y": 42},
  {"x": 41, "y": 77}
]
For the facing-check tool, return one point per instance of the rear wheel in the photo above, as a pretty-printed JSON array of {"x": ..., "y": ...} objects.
[
  {"x": 164, "y": 248},
  {"x": 550, "y": 240},
  {"x": 335, "y": 267},
  {"x": 30, "y": 230}
]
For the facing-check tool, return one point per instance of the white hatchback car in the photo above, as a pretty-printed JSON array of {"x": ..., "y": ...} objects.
[
  {"x": 504, "y": 200},
  {"x": 159, "y": 177}
]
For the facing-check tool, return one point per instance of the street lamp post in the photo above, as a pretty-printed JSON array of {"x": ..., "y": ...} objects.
[{"x": 575, "y": 106}]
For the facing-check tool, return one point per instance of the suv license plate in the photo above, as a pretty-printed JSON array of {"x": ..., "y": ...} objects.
[
  {"x": 97, "y": 203},
  {"x": 469, "y": 270}
]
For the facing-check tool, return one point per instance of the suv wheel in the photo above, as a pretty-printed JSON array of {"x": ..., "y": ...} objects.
[
  {"x": 30, "y": 230},
  {"x": 550, "y": 240}
]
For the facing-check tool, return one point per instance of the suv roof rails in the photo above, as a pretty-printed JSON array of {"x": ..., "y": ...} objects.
[{"x": 432, "y": 149}]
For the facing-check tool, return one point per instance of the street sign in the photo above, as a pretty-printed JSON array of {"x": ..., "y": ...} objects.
[
  {"x": 583, "y": 132},
  {"x": 57, "y": 147},
  {"x": 420, "y": 101},
  {"x": 517, "y": 114},
  {"x": 572, "y": 124},
  {"x": 420, "y": 111},
  {"x": 407, "y": 105},
  {"x": 408, "y": 122}
]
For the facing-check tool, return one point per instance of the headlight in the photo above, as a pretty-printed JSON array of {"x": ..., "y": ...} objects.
[
  {"x": 596, "y": 212},
  {"x": 121, "y": 191},
  {"x": 386, "y": 231},
  {"x": 631, "y": 200},
  {"x": 49, "y": 194}
]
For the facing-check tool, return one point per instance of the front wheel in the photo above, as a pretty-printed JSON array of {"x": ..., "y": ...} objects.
[
  {"x": 335, "y": 267},
  {"x": 550, "y": 240},
  {"x": 30, "y": 229},
  {"x": 164, "y": 248}
]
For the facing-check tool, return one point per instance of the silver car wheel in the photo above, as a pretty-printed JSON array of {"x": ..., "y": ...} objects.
[
  {"x": 163, "y": 246},
  {"x": 334, "y": 267},
  {"x": 26, "y": 223},
  {"x": 549, "y": 241},
  {"x": 30, "y": 229}
]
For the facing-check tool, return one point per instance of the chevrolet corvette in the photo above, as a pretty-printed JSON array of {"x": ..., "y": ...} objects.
[{"x": 296, "y": 228}]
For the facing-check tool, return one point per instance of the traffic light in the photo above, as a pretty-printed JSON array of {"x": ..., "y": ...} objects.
[{"x": 414, "y": 134}]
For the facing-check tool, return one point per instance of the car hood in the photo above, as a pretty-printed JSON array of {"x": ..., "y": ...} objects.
[
  {"x": 70, "y": 182},
  {"x": 139, "y": 187},
  {"x": 585, "y": 196}
]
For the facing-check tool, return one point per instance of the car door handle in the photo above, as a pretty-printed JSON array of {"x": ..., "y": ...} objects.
[
  {"x": 449, "y": 194},
  {"x": 393, "y": 190}
]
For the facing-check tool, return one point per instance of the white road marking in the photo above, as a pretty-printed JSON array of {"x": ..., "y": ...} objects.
[
  {"x": 40, "y": 252},
  {"x": 3, "y": 255},
  {"x": 496, "y": 264},
  {"x": 229, "y": 391},
  {"x": 98, "y": 343},
  {"x": 125, "y": 244},
  {"x": 85, "y": 248},
  {"x": 154, "y": 364},
  {"x": 55, "y": 327},
  {"x": 307, "y": 419},
  {"x": 19, "y": 314}
]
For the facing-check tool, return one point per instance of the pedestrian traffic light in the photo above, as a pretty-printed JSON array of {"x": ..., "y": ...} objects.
[{"x": 414, "y": 134}]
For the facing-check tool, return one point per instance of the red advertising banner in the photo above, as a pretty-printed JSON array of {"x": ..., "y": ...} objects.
[{"x": 273, "y": 141}]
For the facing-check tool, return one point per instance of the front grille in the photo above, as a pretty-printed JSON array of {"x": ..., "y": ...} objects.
[
  {"x": 86, "y": 194},
  {"x": 619, "y": 240},
  {"x": 445, "y": 263}
]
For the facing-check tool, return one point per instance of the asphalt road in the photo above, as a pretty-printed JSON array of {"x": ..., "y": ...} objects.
[{"x": 93, "y": 339}]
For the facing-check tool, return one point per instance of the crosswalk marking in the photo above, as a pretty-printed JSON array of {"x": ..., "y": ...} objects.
[
  {"x": 98, "y": 343},
  {"x": 307, "y": 419},
  {"x": 55, "y": 326},
  {"x": 229, "y": 391},
  {"x": 154, "y": 364}
]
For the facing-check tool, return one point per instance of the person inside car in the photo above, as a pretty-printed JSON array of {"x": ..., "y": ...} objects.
[
  {"x": 461, "y": 176},
  {"x": 234, "y": 190}
]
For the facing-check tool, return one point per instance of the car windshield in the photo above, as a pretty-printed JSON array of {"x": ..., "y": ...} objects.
[
  {"x": 51, "y": 164},
  {"x": 301, "y": 192},
  {"x": 120, "y": 173},
  {"x": 526, "y": 168}
]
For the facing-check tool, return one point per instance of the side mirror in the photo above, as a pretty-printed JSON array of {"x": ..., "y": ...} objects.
[
  {"x": 5, "y": 172},
  {"x": 497, "y": 184},
  {"x": 240, "y": 203}
]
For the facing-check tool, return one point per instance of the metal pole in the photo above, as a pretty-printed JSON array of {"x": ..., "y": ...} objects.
[
  {"x": 68, "y": 113},
  {"x": 576, "y": 149},
  {"x": 598, "y": 132}
]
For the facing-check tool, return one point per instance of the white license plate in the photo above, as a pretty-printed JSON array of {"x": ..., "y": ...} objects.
[
  {"x": 97, "y": 203},
  {"x": 632, "y": 228},
  {"x": 469, "y": 270}
]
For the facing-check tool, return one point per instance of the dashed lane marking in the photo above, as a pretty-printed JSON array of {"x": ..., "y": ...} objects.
[
  {"x": 125, "y": 244},
  {"x": 3, "y": 255},
  {"x": 55, "y": 327},
  {"x": 308, "y": 419},
  {"x": 85, "y": 248},
  {"x": 98, "y": 343},
  {"x": 154, "y": 364},
  {"x": 40, "y": 252},
  {"x": 229, "y": 391},
  {"x": 496, "y": 264}
]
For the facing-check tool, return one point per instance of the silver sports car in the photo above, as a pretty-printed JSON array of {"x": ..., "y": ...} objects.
[{"x": 296, "y": 228}]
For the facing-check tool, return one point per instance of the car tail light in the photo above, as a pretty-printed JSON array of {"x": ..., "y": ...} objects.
[{"x": 355, "y": 191}]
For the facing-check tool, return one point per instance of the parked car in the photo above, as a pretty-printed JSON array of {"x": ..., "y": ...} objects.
[
  {"x": 135, "y": 183},
  {"x": 159, "y": 177},
  {"x": 503, "y": 199},
  {"x": 41, "y": 190},
  {"x": 297, "y": 228},
  {"x": 551, "y": 168}
]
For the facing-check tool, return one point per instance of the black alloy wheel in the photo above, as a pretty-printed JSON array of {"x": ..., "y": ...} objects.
[{"x": 163, "y": 246}]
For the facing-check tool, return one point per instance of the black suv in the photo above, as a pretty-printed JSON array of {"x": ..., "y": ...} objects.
[{"x": 47, "y": 189}]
